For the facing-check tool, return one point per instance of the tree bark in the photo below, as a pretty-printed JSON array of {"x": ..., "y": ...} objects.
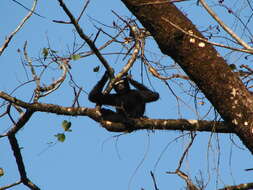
[{"x": 200, "y": 61}]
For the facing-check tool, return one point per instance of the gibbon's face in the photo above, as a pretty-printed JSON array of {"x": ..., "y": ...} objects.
[{"x": 121, "y": 86}]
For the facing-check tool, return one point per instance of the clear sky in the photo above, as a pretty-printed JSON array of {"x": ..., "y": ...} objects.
[{"x": 91, "y": 157}]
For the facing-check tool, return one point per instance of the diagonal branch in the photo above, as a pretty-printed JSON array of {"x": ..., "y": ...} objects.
[
  {"x": 224, "y": 26},
  {"x": 186, "y": 178},
  {"x": 130, "y": 62},
  {"x": 201, "y": 62},
  {"x": 250, "y": 51},
  {"x": 19, "y": 160},
  {"x": 21, "y": 122},
  {"x": 7, "y": 41},
  {"x": 86, "y": 38},
  {"x": 9, "y": 186}
]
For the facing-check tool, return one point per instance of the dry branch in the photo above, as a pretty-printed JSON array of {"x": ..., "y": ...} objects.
[
  {"x": 86, "y": 38},
  {"x": 8, "y": 39},
  {"x": 224, "y": 26},
  {"x": 19, "y": 160}
]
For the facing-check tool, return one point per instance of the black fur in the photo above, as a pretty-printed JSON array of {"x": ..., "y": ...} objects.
[{"x": 128, "y": 102}]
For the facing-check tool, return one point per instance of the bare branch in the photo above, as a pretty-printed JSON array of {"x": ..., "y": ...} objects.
[
  {"x": 19, "y": 160},
  {"x": 24, "y": 118},
  {"x": 7, "y": 41},
  {"x": 243, "y": 186},
  {"x": 224, "y": 26},
  {"x": 57, "y": 83},
  {"x": 186, "y": 178},
  {"x": 11, "y": 185},
  {"x": 44, "y": 91},
  {"x": 29, "y": 61},
  {"x": 130, "y": 62},
  {"x": 113, "y": 39},
  {"x": 154, "y": 180},
  {"x": 138, "y": 124},
  {"x": 250, "y": 51},
  {"x": 84, "y": 8},
  {"x": 155, "y": 73},
  {"x": 186, "y": 151},
  {"x": 81, "y": 14},
  {"x": 86, "y": 38},
  {"x": 28, "y": 9}
]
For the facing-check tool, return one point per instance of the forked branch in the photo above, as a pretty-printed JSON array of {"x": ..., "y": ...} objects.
[{"x": 86, "y": 38}]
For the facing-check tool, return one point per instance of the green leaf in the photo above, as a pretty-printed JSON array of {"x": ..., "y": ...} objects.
[
  {"x": 96, "y": 69},
  {"x": 66, "y": 125},
  {"x": 60, "y": 137},
  {"x": 75, "y": 57},
  {"x": 45, "y": 53}
]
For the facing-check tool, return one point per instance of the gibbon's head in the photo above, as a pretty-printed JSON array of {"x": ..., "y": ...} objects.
[{"x": 122, "y": 86}]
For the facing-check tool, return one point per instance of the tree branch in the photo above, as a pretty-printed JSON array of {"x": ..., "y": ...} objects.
[
  {"x": 7, "y": 41},
  {"x": 243, "y": 186},
  {"x": 11, "y": 185},
  {"x": 19, "y": 160},
  {"x": 138, "y": 124},
  {"x": 21, "y": 122},
  {"x": 224, "y": 26},
  {"x": 86, "y": 38},
  {"x": 250, "y": 51},
  {"x": 190, "y": 185},
  {"x": 201, "y": 62}
]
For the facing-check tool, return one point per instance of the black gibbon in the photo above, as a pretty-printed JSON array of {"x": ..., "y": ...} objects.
[{"x": 129, "y": 103}]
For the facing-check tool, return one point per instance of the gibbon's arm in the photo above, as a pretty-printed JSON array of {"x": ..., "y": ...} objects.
[
  {"x": 98, "y": 97},
  {"x": 96, "y": 93},
  {"x": 147, "y": 94}
]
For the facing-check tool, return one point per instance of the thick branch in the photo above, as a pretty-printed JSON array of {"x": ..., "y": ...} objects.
[
  {"x": 244, "y": 186},
  {"x": 136, "y": 124},
  {"x": 50, "y": 108},
  {"x": 200, "y": 61}
]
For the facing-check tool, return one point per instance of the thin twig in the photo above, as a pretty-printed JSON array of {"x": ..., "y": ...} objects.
[
  {"x": 84, "y": 8},
  {"x": 77, "y": 94},
  {"x": 185, "y": 152},
  {"x": 7, "y": 41},
  {"x": 81, "y": 14},
  {"x": 224, "y": 26},
  {"x": 57, "y": 83},
  {"x": 155, "y": 73},
  {"x": 136, "y": 49},
  {"x": 86, "y": 38},
  {"x": 28, "y": 9},
  {"x": 11, "y": 185},
  {"x": 29, "y": 61},
  {"x": 154, "y": 180},
  {"x": 250, "y": 51}
]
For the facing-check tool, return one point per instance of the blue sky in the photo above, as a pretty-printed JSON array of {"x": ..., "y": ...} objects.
[{"x": 91, "y": 157}]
